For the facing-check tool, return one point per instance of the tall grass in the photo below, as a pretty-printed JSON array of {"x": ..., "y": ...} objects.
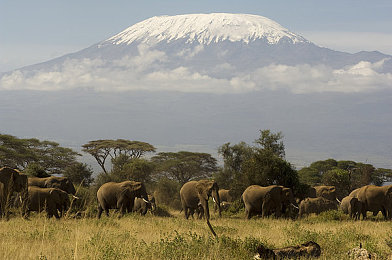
[{"x": 154, "y": 237}]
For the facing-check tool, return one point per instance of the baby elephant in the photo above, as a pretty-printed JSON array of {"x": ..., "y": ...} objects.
[
  {"x": 307, "y": 250},
  {"x": 351, "y": 206},
  {"x": 316, "y": 205},
  {"x": 142, "y": 206},
  {"x": 50, "y": 200}
]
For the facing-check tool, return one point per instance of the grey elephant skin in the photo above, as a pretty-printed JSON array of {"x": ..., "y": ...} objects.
[
  {"x": 316, "y": 205},
  {"x": 263, "y": 200},
  {"x": 141, "y": 206},
  {"x": 289, "y": 205},
  {"x": 12, "y": 181},
  {"x": 327, "y": 192},
  {"x": 224, "y": 195},
  {"x": 225, "y": 198},
  {"x": 352, "y": 206},
  {"x": 375, "y": 199},
  {"x": 119, "y": 195},
  {"x": 51, "y": 200},
  {"x": 62, "y": 183},
  {"x": 194, "y": 192}
]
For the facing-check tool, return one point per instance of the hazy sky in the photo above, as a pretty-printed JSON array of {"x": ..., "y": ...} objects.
[{"x": 36, "y": 31}]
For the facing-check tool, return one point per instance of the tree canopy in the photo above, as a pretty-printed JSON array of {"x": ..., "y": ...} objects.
[
  {"x": 262, "y": 164},
  {"x": 345, "y": 175},
  {"x": 102, "y": 149},
  {"x": 50, "y": 156},
  {"x": 184, "y": 166}
]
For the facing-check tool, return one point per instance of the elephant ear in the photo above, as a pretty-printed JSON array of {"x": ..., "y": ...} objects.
[
  {"x": 55, "y": 195},
  {"x": 388, "y": 192},
  {"x": 204, "y": 188}
]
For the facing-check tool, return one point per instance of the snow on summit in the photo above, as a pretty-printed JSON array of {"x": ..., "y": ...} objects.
[{"x": 205, "y": 28}]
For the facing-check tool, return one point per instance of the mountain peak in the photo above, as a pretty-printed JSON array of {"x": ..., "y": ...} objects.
[{"x": 205, "y": 29}]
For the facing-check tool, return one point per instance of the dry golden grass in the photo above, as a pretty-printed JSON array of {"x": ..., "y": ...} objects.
[{"x": 152, "y": 237}]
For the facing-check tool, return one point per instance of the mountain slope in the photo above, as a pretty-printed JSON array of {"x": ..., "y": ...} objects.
[{"x": 159, "y": 52}]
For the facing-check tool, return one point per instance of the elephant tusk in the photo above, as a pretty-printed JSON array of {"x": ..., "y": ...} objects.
[
  {"x": 73, "y": 196},
  {"x": 146, "y": 201},
  {"x": 338, "y": 201},
  {"x": 213, "y": 199},
  {"x": 294, "y": 206}
]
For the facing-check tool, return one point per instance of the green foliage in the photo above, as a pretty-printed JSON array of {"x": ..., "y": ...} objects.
[
  {"x": 184, "y": 166},
  {"x": 340, "y": 179},
  {"x": 136, "y": 169},
  {"x": 332, "y": 215},
  {"x": 263, "y": 164},
  {"x": 167, "y": 193},
  {"x": 86, "y": 204},
  {"x": 345, "y": 175},
  {"x": 79, "y": 173},
  {"x": 101, "y": 149},
  {"x": 271, "y": 142},
  {"x": 19, "y": 153},
  {"x": 36, "y": 170}
]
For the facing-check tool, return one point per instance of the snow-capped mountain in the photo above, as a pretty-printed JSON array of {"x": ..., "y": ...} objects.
[
  {"x": 205, "y": 29},
  {"x": 156, "y": 82},
  {"x": 223, "y": 52}
]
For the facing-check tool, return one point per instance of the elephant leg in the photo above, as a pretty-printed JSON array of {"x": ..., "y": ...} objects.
[
  {"x": 100, "y": 210},
  {"x": 123, "y": 210},
  {"x": 186, "y": 212},
  {"x": 364, "y": 211},
  {"x": 56, "y": 214}
]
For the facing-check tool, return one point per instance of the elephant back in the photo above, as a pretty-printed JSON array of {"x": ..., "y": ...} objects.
[
  {"x": 354, "y": 193},
  {"x": 62, "y": 183},
  {"x": 255, "y": 194},
  {"x": 224, "y": 195},
  {"x": 327, "y": 192}
]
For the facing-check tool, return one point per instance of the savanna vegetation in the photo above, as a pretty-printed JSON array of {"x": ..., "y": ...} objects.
[{"x": 166, "y": 234}]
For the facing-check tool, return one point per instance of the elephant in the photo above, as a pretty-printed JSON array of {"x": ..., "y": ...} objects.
[
  {"x": 264, "y": 200},
  {"x": 352, "y": 206},
  {"x": 288, "y": 202},
  {"x": 225, "y": 205},
  {"x": 62, "y": 183},
  {"x": 375, "y": 199},
  {"x": 225, "y": 197},
  {"x": 316, "y": 205},
  {"x": 199, "y": 211},
  {"x": 194, "y": 192},
  {"x": 51, "y": 200},
  {"x": 142, "y": 207},
  {"x": 327, "y": 192},
  {"x": 120, "y": 195},
  {"x": 12, "y": 181}
]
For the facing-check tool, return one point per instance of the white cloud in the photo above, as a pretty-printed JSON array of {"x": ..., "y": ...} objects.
[{"x": 143, "y": 72}]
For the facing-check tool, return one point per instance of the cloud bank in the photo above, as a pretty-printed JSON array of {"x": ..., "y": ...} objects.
[{"x": 145, "y": 72}]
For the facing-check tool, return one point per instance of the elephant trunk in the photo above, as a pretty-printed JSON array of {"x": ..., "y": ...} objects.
[{"x": 204, "y": 203}]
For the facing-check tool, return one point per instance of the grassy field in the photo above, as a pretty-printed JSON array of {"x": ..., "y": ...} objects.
[{"x": 153, "y": 237}]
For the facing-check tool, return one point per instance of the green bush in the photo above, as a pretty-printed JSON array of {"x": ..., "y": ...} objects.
[{"x": 167, "y": 192}]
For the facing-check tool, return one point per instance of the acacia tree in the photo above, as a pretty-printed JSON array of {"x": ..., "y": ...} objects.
[
  {"x": 348, "y": 175},
  {"x": 184, "y": 166},
  {"x": 102, "y": 149},
  {"x": 19, "y": 153}
]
